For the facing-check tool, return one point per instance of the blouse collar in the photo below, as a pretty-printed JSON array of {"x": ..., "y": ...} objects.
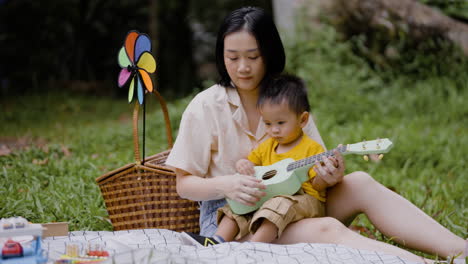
[{"x": 240, "y": 117}]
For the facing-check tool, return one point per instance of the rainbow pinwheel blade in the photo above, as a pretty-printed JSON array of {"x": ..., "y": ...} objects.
[
  {"x": 131, "y": 90},
  {"x": 143, "y": 43},
  {"x": 130, "y": 45},
  {"x": 124, "y": 75},
  {"x": 147, "y": 62},
  {"x": 124, "y": 61},
  {"x": 146, "y": 80},
  {"x": 141, "y": 92}
]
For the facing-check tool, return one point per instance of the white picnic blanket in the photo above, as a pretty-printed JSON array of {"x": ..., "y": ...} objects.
[{"x": 164, "y": 246}]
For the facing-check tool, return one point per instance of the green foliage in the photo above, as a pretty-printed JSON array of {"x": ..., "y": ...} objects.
[
  {"x": 422, "y": 111},
  {"x": 403, "y": 55},
  {"x": 455, "y": 8},
  {"x": 393, "y": 47},
  {"x": 72, "y": 140},
  {"x": 73, "y": 40},
  {"x": 219, "y": 9},
  {"x": 63, "y": 40}
]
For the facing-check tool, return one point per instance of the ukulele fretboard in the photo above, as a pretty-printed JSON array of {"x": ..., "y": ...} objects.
[{"x": 313, "y": 159}]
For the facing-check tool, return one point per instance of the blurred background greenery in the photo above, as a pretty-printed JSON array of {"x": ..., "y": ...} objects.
[{"x": 73, "y": 44}]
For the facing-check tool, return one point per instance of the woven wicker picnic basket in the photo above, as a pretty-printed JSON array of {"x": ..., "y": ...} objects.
[{"x": 143, "y": 194}]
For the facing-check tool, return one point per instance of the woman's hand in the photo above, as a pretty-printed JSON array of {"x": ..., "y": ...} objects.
[
  {"x": 244, "y": 189},
  {"x": 331, "y": 170},
  {"x": 245, "y": 166}
]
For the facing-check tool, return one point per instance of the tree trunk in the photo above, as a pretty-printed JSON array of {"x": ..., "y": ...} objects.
[
  {"x": 153, "y": 33},
  {"x": 418, "y": 20},
  {"x": 175, "y": 70}
]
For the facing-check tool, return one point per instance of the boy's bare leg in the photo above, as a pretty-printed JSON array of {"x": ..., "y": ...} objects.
[
  {"x": 267, "y": 232},
  {"x": 391, "y": 214},
  {"x": 227, "y": 229}
]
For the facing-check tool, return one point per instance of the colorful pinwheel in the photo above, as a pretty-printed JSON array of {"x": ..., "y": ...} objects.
[{"x": 137, "y": 63}]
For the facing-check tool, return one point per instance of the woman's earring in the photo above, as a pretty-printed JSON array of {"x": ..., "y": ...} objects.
[{"x": 232, "y": 84}]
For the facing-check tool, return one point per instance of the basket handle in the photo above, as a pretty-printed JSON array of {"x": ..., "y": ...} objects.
[{"x": 135, "y": 126}]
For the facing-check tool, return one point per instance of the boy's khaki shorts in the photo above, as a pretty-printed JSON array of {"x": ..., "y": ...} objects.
[{"x": 281, "y": 210}]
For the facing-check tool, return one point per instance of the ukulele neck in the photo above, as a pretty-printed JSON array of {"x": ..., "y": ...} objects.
[{"x": 316, "y": 158}]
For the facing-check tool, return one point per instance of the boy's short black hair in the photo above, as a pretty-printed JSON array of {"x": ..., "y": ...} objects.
[
  {"x": 287, "y": 88},
  {"x": 261, "y": 25}
]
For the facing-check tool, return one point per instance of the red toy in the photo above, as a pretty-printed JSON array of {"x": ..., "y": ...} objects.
[{"x": 12, "y": 249}]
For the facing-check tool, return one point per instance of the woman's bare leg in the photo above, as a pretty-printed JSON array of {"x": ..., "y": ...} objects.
[
  {"x": 330, "y": 230},
  {"x": 391, "y": 214}
]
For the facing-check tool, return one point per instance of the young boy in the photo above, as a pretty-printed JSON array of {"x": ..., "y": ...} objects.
[{"x": 285, "y": 111}]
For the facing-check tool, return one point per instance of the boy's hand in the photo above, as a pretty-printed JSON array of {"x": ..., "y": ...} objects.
[{"x": 246, "y": 167}]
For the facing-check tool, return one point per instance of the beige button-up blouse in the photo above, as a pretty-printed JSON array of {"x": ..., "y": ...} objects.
[{"x": 214, "y": 135}]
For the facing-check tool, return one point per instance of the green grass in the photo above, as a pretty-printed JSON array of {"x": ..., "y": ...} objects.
[
  {"x": 75, "y": 139},
  {"x": 71, "y": 141},
  {"x": 424, "y": 114}
]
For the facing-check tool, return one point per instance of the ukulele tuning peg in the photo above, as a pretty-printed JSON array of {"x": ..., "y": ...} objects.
[
  {"x": 381, "y": 156},
  {"x": 365, "y": 157}
]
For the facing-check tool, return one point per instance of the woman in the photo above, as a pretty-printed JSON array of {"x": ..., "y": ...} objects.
[{"x": 222, "y": 124}]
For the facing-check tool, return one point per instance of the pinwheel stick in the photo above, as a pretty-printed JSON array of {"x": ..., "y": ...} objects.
[
  {"x": 136, "y": 133},
  {"x": 144, "y": 128}
]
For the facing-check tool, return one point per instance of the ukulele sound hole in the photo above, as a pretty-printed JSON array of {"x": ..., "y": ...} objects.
[{"x": 269, "y": 175}]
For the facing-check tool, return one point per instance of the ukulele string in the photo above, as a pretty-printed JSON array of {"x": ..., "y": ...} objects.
[{"x": 313, "y": 159}]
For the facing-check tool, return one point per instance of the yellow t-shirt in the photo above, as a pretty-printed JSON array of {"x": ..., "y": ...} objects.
[{"x": 265, "y": 155}]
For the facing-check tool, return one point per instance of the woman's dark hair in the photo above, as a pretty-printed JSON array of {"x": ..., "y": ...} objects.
[
  {"x": 286, "y": 88},
  {"x": 260, "y": 24}
]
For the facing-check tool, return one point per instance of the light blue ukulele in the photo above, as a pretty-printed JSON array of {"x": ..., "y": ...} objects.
[{"x": 286, "y": 177}]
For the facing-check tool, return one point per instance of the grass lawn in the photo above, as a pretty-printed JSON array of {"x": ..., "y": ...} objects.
[{"x": 62, "y": 142}]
